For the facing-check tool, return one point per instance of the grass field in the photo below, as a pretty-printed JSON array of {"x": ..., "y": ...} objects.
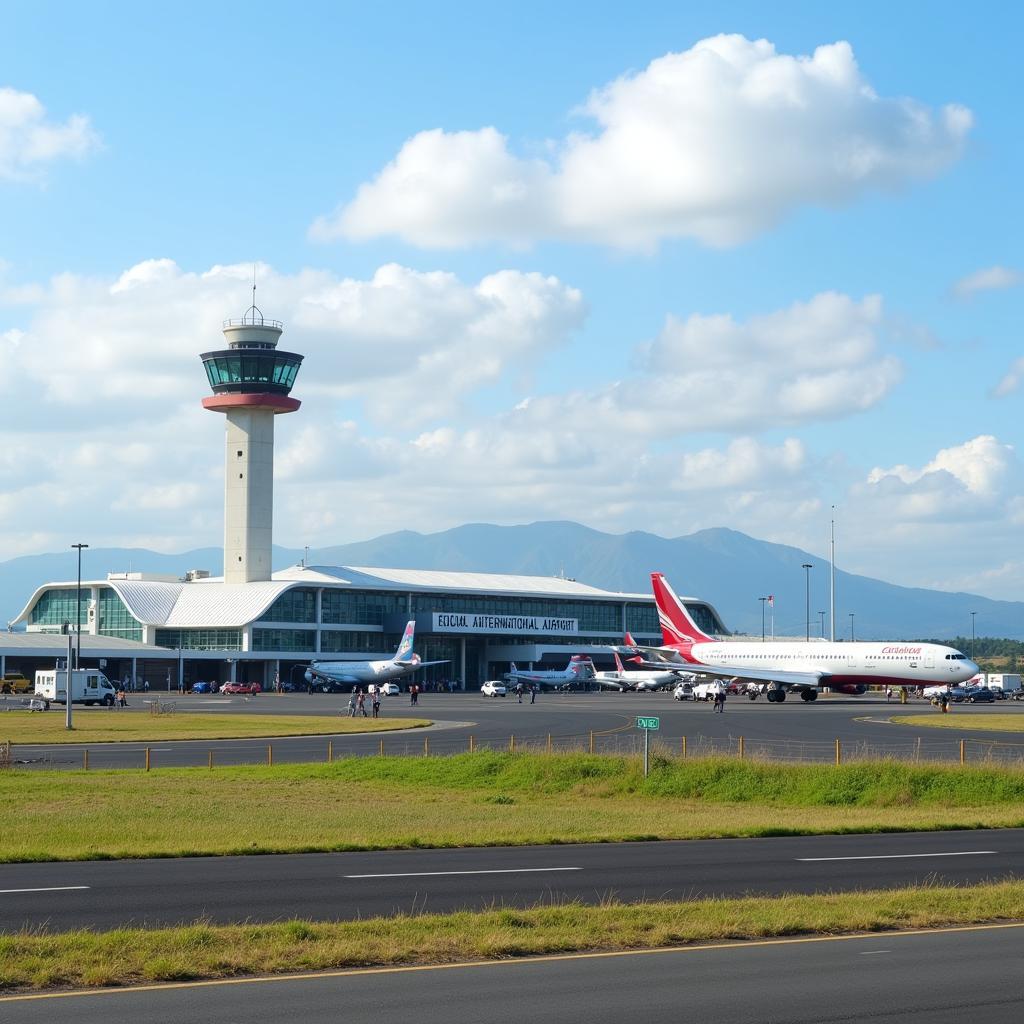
[
  {"x": 481, "y": 799},
  {"x": 975, "y": 723},
  {"x": 113, "y": 726},
  {"x": 126, "y": 956}
]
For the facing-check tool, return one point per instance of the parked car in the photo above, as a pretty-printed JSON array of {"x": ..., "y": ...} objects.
[
  {"x": 241, "y": 688},
  {"x": 493, "y": 688},
  {"x": 980, "y": 695},
  {"x": 202, "y": 687},
  {"x": 958, "y": 694},
  {"x": 683, "y": 691}
]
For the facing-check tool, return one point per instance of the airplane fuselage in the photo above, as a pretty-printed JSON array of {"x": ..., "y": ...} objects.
[
  {"x": 897, "y": 664},
  {"x": 363, "y": 671}
]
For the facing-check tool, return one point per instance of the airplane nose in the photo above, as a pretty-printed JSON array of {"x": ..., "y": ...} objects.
[{"x": 971, "y": 669}]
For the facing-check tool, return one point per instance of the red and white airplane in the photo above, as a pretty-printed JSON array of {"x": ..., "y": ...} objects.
[
  {"x": 799, "y": 666},
  {"x": 580, "y": 668},
  {"x": 641, "y": 681}
]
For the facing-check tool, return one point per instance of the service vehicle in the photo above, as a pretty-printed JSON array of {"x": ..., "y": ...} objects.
[
  {"x": 684, "y": 691},
  {"x": 388, "y": 689},
  {"x": 707, "y": 691},
  {"x": 1005, "y": 682},
  {"x": 493, "y": 688},
  {"x": 241, "y": 688},
  {"x": 14, "y": 682},
  {"x": 88, "y": 686}
]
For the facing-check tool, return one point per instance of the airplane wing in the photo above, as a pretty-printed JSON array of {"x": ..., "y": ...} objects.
[{"x": 424, "y": 664}]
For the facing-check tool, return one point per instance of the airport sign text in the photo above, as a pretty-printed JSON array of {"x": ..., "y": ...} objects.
[
  {"x": 471, "y": 622},
  {"x": 648, "y": 723}
]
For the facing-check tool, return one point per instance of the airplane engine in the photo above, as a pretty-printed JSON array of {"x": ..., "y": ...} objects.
[{"x": 852, "y": 689}]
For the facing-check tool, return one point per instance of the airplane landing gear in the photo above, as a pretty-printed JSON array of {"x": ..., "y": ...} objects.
[
  {"x": 776, "y": 695},
  {"x": 808, "y": 695}
]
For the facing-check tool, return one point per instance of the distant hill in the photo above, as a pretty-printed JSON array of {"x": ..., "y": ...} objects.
[{"x": 727, "y": 568}]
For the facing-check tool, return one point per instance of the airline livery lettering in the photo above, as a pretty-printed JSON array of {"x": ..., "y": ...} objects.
[{"x": 901, "y": 650}]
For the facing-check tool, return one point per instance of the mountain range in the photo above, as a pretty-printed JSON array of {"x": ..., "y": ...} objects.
[{"x": 729, "y": 569}]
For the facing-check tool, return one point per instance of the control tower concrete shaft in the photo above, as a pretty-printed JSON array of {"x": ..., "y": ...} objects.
[{"x": 251, "y": 381}]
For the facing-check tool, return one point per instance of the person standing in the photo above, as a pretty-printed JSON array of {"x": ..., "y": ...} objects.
[
  {"x": 533, "y": 693},
  {"x": 414, "y": 694},
  {"x": 361, "y": 704},
  {"x": 352, "y": 705},
  {"x": 376, "y": 703}
]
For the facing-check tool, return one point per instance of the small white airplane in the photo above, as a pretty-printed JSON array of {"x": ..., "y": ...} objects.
[
  {"x": 622, "y": 680},
  {"x": 579, "y": 669},
  {"x": 797, "y": 666},
  {"x": 404, "y": 662}
]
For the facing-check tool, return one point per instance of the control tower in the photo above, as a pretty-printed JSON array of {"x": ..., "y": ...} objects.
[{"x": 251, "y": 381}]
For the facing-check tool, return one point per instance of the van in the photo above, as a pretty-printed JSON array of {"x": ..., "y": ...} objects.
[{"x": 88, "y": 686}]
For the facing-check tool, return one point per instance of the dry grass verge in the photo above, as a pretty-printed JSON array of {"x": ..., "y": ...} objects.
[
  {"x": 128, "y": 956},
  {"x": 974, "y": 723}
]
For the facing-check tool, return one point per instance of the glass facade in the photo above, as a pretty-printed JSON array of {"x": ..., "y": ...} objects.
[
  {"x": 55, "y": 607},
  {"x": 200, "y": 639},
  {"x": 114, "y": 617},
  {"x": 251, "y": 370},
  {"x": 334, "y": 641},
  {"x": 295, "y": 605},
  {"x": 642, "y": 618},
  {"x": 359, "y": 607},
  {"x": 283, "y": 639}
]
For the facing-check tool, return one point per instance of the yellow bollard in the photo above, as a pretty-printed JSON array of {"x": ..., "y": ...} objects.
[
  {"x": 270, "y": 754},
  {"x": 549, "y": 743},
  {"x": 839, "y": 752},
  {"x": 472, "y": 743},
  {"x": 147, "y": 759},
  {"x": 683, "y": 746},
  {"x": 330, "y": 751},
  {"x": 511, "y": 744},
  {"x": 85, "y": 759},
  {"x": 741, "y": 748},
  {"x": 963, "y": 751},
  {"x": 210, "y": 760}
]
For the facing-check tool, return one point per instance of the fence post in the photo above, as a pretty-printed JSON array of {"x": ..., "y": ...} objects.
[
  {"x": 330, "y": 751},
  {"x": 963, "y": 751},
  {"x": 549, "y": 743},
  {"x": 472, "y": 743},
  {"x": 591, "y": 740},
  {"x": 85, "y": 758},
  {"x": 683, "y": 746},
  {"x": 741, "y": 748},
  {"x": 270, "y": 754},
  {"x": 839, "y": 752},
  {"x": 147, "y": 759},
  {"x": 426, "y": 746},
  {"x": 382, "y": 746},
  {"x": 210, "y": 760},
  {"x": 511, "y": 744}
]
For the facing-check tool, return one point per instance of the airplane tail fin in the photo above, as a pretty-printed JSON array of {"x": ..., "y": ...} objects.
[
  {"x": 581, "y": 666},
  {"x": 677, "y": 627},
  {"x": 404, "y": 653},
  {"x": 628, "y": 639},
  {"x": 618, "y": 661}
]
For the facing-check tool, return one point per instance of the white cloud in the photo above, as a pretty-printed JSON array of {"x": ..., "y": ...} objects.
[
  {"x": 1011, "y": 380},
  {"x": 29, "y": 142},
  {"x": 986, "y": 280},
  {"x": 717, "y": 143},
  {"x": 980, "y": 466}
]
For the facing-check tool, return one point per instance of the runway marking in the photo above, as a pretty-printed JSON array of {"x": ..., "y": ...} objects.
[
  {"x": 519, "y": 961},
  {"x": 875, "y": 952},
  {"x": 49, "y": 888},
  {"x": 489, "y": 871},
  {"x": 906, "y": 856}
]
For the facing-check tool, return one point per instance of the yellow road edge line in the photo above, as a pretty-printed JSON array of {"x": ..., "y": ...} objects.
[{"x": 510, "y": 962}]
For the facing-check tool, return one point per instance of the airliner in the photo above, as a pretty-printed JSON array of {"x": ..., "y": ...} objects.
[
  {"x": 799, "y": 667},
  {"x": 404, "y": 662},
  {"x": 620, "y": 679},
  {"x": 580, "y": 668}
]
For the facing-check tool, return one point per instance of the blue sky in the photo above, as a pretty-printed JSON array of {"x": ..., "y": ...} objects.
[{"x": 726, "y": 303}]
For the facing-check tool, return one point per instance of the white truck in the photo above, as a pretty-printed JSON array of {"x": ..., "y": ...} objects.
[
  {"x": 88, "y": 686},
  {"x": 1008, "y": 682}
]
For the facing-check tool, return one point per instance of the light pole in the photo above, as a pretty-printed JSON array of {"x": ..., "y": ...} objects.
[
  {"x": 762, "y": 600},
  {"x": 807, "y": 566},
  {"x": 822, "y": 614},
  {"x": 78, "y": 612},
  {"x": 972, "y": 636},
  {"x": 851, "y": 627},
  {"x": 65, "y": 628}
]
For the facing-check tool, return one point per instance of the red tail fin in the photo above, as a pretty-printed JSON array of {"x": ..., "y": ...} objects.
[
  {"x": 628, "y": 639},
  {"x": 618, "y": 662},
  {"x": 676, "y": 625}
]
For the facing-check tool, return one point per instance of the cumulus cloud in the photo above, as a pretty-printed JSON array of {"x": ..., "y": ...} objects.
[
  {"x": 717, "y": 143},
  {"x": 30, "y": 142},
  {"x": 987, "y": 280},
  {"x": 812, "y": 361}
]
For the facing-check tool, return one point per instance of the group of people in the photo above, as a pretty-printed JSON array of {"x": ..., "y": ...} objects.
[
  {"x": 357, "y": 703},
  {"x": 528, "y": 688}
]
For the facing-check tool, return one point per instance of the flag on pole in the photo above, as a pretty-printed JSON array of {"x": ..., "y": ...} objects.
[{"x": 771, "y": 600}]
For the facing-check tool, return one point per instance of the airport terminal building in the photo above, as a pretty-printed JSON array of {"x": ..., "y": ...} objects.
[
  {"x": 255, "y": 625},
  {"x": 479, "y": 623}
]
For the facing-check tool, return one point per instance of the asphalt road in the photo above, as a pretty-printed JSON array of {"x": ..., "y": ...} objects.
[
  {"x": 793, "y": 730},
  {"x": 932, "y": 978},
  {"x": 105, "y": 894}
]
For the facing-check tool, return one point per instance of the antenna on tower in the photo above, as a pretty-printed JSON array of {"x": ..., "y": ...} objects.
[{"x": 257, "y": 315}]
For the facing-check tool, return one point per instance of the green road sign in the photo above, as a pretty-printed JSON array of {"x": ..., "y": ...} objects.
[{"x": 648, "y": 723}]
